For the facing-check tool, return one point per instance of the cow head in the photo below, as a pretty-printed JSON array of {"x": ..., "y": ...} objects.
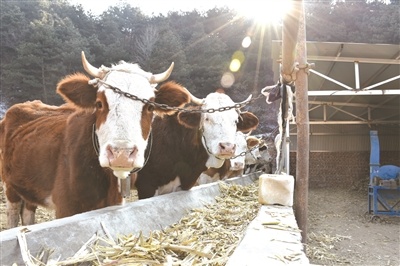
[
  {"x": 237, "y": 163},
  {"x": 246, "y": 147},
  {"x": 122, "y": 124},
  {"x": 218, "y": 129},
  {"x": 254, "y": 155}
]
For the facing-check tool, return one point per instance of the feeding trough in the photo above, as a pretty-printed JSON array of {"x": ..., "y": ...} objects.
[{"x": 272, "y": 235}]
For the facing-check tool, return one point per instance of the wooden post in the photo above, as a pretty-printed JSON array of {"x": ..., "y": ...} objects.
[
  {"x": 289, "y": 41},
  {"x": 294, "y": 50},
  {"x": 302, "y": 122}
]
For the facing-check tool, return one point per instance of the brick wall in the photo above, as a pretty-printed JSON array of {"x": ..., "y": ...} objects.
[{"x": 342, "y": 169}]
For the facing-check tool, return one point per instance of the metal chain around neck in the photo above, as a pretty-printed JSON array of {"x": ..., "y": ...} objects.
[
  {"x": 179, "y": 109},
  {"x": 246, "y": 152}
]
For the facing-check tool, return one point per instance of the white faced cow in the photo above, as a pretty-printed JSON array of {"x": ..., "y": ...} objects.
[
  {"x": 71, "y": 157},
  {"x": 188, "y": 143},
  {"x": 246, "y": 153}
]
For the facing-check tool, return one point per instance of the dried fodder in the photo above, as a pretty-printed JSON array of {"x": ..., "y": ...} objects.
[
  {"x": 205, "y": 236},
  {"x": 321, "y": 247}
]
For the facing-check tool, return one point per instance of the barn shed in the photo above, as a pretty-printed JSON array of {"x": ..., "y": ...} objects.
[{"x": 352, "y": 88}]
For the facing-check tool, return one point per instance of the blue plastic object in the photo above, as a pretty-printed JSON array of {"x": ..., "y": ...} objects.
[{"x": 384, "y": 189}]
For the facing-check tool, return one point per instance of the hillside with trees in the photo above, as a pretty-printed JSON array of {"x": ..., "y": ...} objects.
[{"x": 41, "y": 41}]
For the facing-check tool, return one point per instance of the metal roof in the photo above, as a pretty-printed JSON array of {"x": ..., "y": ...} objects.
[{"x": 351, "y": 83}]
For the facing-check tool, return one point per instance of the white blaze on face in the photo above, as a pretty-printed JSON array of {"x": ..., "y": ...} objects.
[
  {"x": 121, "y": 142},
  {"x": 252, "y": 156},
  {"x": 219, "y": 128}
]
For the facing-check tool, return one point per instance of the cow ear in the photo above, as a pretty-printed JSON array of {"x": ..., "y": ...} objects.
[
  {"x": 76, "y": 89},
  {"x": 252, "y": 142},
  {"x": 171, "y": 94},
  {"x": 247, "y": 121},
  {"x": 189, "y": 120},
  {"x": 262, "y": 143}
]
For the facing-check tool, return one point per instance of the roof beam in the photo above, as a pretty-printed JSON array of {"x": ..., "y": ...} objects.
[
  {"x": 362, "y": 105},
  {"x": 382, "y": 82},
  {"x": 368, "y": 82},
  {"x": 332, "y": 64},
  {"x": 355, "y": 122},
  {"x": 354, "y": 93},
  {"x": 354, "y": 59},
  {"x": 331, "y": 79}
]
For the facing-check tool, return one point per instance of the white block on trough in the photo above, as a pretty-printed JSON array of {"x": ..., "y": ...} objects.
[{"x": 276, "y": 189}]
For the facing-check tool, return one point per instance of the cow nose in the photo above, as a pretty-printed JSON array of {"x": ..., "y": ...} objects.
[
  {"x": 238, "y": 165},
  {"x": 227, "y": 147},
  {"x": 121, "y": 157}
]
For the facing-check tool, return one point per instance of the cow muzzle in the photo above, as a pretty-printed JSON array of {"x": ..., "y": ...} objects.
[
  {"x": 226, "y": 149},
  {"x": 121, "y": 158},
  {"x": 235, "y": 166}
]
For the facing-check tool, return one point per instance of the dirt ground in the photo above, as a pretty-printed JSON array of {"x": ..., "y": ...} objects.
[{"x": 339, "y": 231}]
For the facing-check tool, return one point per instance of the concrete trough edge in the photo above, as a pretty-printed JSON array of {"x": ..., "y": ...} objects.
[
  {"x": 267, "y": 245},
  {"x": 67, "y": 235}
]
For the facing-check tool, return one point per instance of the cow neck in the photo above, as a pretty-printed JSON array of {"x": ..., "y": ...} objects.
[{"x": 96, "y": 147}]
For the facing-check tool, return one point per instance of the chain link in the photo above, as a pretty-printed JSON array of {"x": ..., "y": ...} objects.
[
  {"x": 179, "y": 109},
  {"x": 243, "y": 153}
]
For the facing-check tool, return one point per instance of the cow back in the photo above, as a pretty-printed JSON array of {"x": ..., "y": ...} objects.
[{"x": 32, "y": 137}]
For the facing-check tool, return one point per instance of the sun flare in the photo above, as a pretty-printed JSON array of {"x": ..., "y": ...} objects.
[{"x": 263, "y": 12}]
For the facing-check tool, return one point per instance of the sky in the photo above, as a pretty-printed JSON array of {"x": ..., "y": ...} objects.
[{"x": 151, "y": 6}]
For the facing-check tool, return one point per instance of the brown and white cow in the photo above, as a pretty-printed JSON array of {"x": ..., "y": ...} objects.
[
  {"x": 264, "y": 161},
  {"x": 187, "y": 143},
  {"x": 70, "y": 158},
  {"x": 246, "y": 153}
]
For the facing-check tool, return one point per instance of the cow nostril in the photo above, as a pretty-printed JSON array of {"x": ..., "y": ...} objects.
[
  {"x": 227, "y": 147},
  {"x": 222, "y": 146},
  {"x": 110, "y": 153},
  {"x": 133, "y": 152}
]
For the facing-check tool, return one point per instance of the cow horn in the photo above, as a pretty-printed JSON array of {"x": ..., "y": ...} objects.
[
  {"x": 193, "y": 98},
  {"x": 91, "y": 70},
  {"x": 248, "y": 99},
  {"x": 157, "y": 78}
]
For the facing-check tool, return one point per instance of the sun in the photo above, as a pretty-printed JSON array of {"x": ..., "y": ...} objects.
[{"x": 263, "y": 12}]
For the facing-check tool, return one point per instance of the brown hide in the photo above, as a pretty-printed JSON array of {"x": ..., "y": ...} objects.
[
  {"x": 176, "y": 151},
  {"x": 33, "y": 136},
  {"x": 47, "y": 151}
]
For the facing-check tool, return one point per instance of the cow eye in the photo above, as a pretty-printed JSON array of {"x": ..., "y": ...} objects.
[
  {"x": 99, "y": 105},
  {"x": 150, "y": 108}
]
